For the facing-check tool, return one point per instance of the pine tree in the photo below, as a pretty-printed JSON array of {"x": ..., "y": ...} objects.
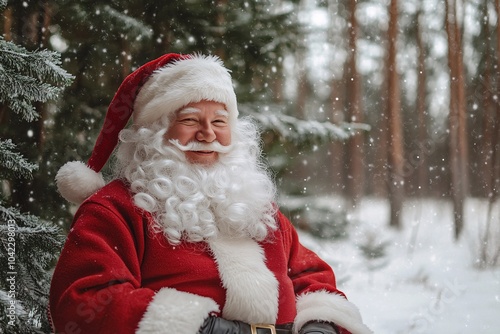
[{"x": 29, "y": 244}]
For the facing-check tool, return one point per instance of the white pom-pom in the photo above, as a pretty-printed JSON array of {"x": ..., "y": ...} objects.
[{"x": 76, "y": 181}]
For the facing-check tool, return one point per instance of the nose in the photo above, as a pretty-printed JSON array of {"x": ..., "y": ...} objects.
[{"x": 205, "y": 133}]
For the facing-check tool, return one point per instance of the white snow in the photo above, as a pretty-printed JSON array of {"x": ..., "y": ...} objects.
[{"x": 427, "y": 282}]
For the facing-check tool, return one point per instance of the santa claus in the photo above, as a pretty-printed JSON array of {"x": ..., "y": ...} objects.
[{"x": 187, "y": 237}]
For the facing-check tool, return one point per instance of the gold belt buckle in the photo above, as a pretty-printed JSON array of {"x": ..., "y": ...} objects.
[{"x": 254, "y": 328}]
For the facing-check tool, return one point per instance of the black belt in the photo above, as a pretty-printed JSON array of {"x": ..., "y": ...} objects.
[{"x": 272, "y": 329}]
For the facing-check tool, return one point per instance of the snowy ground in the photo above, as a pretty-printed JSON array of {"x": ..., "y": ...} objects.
[{"x": 426, "y": 282}]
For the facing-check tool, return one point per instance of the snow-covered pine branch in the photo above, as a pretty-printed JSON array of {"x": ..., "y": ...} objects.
[
  {"x": 29, "y": 76},
  {"x": 43, "y": 65},
  {"x": 13, "y": 164},
  {"x": 301, "y": 132},
  {"x": 127, "y": 24},
  {"x": 29, "y": 268}
]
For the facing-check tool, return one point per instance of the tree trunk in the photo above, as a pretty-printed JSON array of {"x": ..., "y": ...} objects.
[
  {"x": 7, "y": 34},
  {"x": 457, "y": 120},
  {"x": 354, "y": 147},
  {"x": 495, "y": 175},
  {"x": 126, "y": 58},
  {"x": 44, "y": 19},
  {"x": 422, "y": 168},
  {"x": 495, "y": 160},
  {"x": 395, "y": 132},
  {"x": 302, "y": 84},
  {"x": 220, "y": 22},
  {"x": 486, "y": 103},
  {"x": 336, "y": 147},
  {"x": 7, "y": 23},
  {"x": 300, "y": 170},
  {"x": 303, "y": 92}
]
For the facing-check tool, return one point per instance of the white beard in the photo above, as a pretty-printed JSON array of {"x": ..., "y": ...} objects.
[{"x": 233, "y": 197}]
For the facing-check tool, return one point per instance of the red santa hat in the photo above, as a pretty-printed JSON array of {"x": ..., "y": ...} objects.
[{"x": 161, "y": 86}]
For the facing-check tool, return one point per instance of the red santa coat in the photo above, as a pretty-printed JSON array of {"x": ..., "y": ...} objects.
[{"x": 115, "y": 276}]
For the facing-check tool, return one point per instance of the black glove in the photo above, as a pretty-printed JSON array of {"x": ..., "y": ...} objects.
[
  {"x": 215, "y": 325},
  {"x": 316, "y": 327}
]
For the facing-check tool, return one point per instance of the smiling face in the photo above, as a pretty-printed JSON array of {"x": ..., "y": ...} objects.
[{"x": 204, "y": 122}]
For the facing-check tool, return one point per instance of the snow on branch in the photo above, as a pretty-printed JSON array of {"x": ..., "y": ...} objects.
[
  {"x": 297, "y": 131},
  {"x": 43, "y": 240},
  {"x": 13, "y": 163},
  {"x": 43, "y": 65},
  {"x": 29, "y": 76},
  {"x": 127, "y": 24}
]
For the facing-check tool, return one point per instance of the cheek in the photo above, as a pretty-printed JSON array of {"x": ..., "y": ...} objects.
[
  {"x": 181, "y": 134},
  {"x": 224, "y": 138}
]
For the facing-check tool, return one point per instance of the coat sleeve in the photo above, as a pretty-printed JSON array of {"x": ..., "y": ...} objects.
[
  {"x": 315, "y": 287},
  {"x": 96, "y": 286}
]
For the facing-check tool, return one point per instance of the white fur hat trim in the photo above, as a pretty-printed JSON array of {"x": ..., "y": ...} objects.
[
  {"x": 76, "y": 181},
  {"x": 181, "y": 82}
]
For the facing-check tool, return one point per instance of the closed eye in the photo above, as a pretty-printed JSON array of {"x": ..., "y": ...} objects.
[
  {"x": 188, "y": 120},
  {"x": 220, "y": 121}
]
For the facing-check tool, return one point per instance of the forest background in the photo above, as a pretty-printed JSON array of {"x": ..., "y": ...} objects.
[{"x": 383, "y": 98}]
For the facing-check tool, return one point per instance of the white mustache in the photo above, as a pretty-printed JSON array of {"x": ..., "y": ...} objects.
[{"x": 214, "y": 146}]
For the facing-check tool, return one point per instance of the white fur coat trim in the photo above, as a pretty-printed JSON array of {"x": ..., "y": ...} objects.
[
  {"x": 325, "y": 306},
  {"x": 251, "y": 288},
  {"x": 173, "y": 311}
]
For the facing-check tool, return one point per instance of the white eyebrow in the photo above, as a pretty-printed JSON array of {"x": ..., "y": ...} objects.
[
  {"x": 189, "y": 110},
  {"x": 222, "y": 113}
]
